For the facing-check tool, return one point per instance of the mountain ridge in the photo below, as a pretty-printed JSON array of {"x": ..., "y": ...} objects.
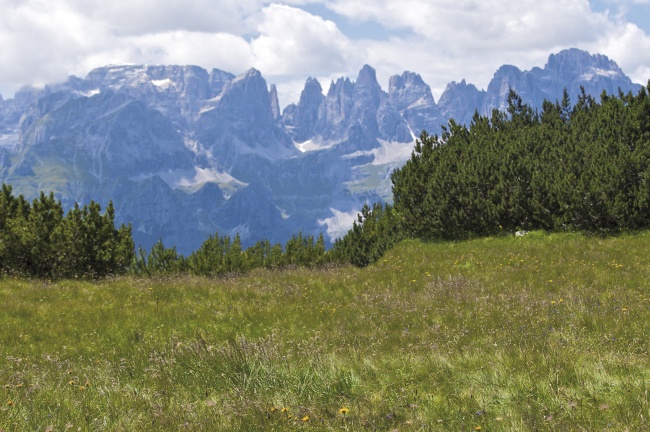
[{"x": 184, "y": 152}]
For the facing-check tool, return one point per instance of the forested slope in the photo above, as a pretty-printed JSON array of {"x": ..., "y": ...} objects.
[{"x": 582, "y": 167}]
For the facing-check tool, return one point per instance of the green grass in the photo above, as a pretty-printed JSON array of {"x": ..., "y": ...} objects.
[{"x": 544, "y": 332}]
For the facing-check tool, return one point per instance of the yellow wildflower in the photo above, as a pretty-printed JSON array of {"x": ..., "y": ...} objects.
[
  {"x": 305, "y": 418},
  {"x": 344, "y": 410}
]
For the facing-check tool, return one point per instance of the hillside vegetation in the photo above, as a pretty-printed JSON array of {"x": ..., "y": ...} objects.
[
  {"x": 541, "y": 332},
  {"x": 582, "y": 167},
  {"x": 567, "y": 168},
  {"x": 38, "y": 239},
  {"x": 455, "y": 331}
]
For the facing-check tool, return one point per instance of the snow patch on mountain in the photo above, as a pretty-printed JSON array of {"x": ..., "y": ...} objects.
[
  {"x": 162, "y": 84},
  {"x": 90, "y": 93},
  {"x": 314, "y": 145},
  {"x": 9, "y": 141},
  {"x": 180, "y": 179},
  {"x": 388, "y": 153},
  {"x": 599, "y": 72},
  {"x": 338, "y": 224},
  {"x": 192, "y": 179},
  {"x": 391, "y": 152},
  {"x": 184, "y": 152}
]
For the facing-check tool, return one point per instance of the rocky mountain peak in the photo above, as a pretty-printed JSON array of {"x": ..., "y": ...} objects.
[
  {"x": 275, "y": 103},
  {"x": 184, "y": 152},
  {"x": 367, "y": 76},
  {"x": 574, "y": 62},
  {"x": 460, "y": 100},
  {"x": 367, "y": 96},
  {"x": 406, "y": 80},
  {"x": 569, "y": 69},
  {"x": 340, "y": 86},
  {"x": 407, "y": 89},
  {"x": 366, "y": 87},
  {"x": 311, "y": 91},
  {"x": 251, "y": 75},
  {"x": 246, "y": 90},
  {"x": 242, "y": 119},
  {"x": 412, "y": 99},
  {"x": 306, "y": 114},
  {"x": 218, "y": 79}
]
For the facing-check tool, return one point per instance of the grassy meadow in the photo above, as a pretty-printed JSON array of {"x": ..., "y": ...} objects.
[{"x": 543, "y": 332}]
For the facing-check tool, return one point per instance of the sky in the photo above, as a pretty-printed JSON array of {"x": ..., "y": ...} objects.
[{"x": 45, "y": 41}]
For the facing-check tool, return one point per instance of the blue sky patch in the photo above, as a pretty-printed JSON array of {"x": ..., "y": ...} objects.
[
  {"x": 637, "y": 13},
  {"x": 356, "y": 29}
]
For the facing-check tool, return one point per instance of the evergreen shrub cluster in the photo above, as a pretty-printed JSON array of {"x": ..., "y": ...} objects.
[
  {"x": 567, "y": 168},
  {"x": 585, "y": 168},
  {"x": 220, "y": 255},
  {"x": 37, "y": 240},
  {"x": 376, "y": 230}
]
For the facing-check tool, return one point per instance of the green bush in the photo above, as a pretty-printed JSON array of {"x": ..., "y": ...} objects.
[{"x": 37, "y": 240}]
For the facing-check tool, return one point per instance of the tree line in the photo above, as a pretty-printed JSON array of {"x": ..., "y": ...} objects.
[
  {"x": 38, "y": 240},
  {"x": 582, "y": 167},
  {"x": 220, "y": 255}
]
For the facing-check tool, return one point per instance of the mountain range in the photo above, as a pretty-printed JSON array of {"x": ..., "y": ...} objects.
[{"x": 184, "y": 152}]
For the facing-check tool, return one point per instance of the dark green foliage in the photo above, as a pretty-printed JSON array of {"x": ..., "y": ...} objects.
[
  {"x": 160, "y": 261},
  {"x": 304, "y": 251},
  {"x": 37, "y": 240},
  {"x": 375, "y": 231},
  {"x": 584, "y": 168},
  {"x": 218, "y": 255},
  {"x": 580, "y": 168},
  {"x": 567, "y": 168}
]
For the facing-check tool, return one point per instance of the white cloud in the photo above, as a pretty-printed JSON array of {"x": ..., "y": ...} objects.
[
  {"x": 462, "y": 36},
  {"x": 482, "y": 22},
  {"x": 138, "y": 17},
  {"x": 44, "y": 41},
  {"x": 338, "y": 224},
  {"x": 629, "y": 46},
  {"x": 456, "y": 39},
  {"x": 227, "y": 51},
  {"x": 294, "y": 42}
]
